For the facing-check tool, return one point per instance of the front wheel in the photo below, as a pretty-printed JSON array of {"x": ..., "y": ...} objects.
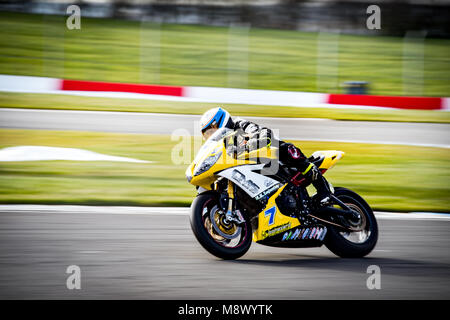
[
  {"x": 359, "y": 243},
  {"x": 224, "y": 240}
]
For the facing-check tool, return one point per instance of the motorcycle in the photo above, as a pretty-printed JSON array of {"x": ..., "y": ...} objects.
[{"x": 248, "y": 195}]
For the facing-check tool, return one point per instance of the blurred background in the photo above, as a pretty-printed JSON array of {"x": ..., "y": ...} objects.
[
  {"x": 397, "y": 159},
  {"x": 280, "y": 45},
  {"x": 321, "y": 46}
]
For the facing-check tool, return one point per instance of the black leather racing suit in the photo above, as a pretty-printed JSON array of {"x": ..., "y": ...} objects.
[{"x": 288, "y": 153}]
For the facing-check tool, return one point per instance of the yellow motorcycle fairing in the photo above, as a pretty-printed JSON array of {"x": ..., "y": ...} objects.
[
  {"x": 225, "y": 161},
  {"x": 271, "y": 221}
]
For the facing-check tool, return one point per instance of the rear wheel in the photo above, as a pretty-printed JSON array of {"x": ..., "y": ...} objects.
[
  {"x": 223, "y": 239},
  {"x": 358, "y": 243}
]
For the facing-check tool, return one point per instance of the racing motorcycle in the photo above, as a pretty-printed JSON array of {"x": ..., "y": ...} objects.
[{"x": 248, "y": 195}]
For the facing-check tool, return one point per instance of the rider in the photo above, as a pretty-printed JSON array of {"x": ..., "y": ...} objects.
[{"x": 289, "y": 154}]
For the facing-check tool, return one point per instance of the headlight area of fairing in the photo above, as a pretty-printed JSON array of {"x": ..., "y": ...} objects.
[{"x": 206, "y": 164}]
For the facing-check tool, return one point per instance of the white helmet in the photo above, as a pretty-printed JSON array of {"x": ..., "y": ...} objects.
[{"x": 215, "y": 116}]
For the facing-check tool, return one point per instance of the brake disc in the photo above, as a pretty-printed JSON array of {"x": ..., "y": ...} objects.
[
  {"x": 361, "y": 225},
  {"x": 226, "y": 230}
]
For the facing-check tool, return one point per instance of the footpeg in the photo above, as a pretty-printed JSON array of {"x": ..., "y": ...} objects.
[{"x": 325, "y": 201}]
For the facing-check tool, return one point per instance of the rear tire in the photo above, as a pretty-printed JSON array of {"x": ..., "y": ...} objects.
[
  {"x": 200, "y": 210},
  {"x": 336, "y": 241}
]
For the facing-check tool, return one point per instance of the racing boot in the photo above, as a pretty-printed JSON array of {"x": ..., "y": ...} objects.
[{"x": 293, "y": 155}]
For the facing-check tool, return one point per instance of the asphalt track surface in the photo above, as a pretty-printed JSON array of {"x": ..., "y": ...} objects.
[
  {"x": 420, "y": 134},
  {"x": 127, "y": 254}
]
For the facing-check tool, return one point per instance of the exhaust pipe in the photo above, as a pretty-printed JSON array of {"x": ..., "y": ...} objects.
[{"x": 346, "y": 219}]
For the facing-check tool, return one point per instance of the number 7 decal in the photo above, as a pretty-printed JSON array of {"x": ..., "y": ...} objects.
[{"x": 271, "y": 212}]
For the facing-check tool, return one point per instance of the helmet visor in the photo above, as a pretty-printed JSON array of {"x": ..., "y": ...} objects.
[{"x": 208, "y": 132}]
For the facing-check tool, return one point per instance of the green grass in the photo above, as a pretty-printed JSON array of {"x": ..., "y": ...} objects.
[
  {"x": 396, "y": 178},
  {"x": 192, "y": 55},
  {"x": 67, "y": 102}
]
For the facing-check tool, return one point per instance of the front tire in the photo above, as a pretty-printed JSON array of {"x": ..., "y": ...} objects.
[
  {"x": 345, "y": 244},
  {"x": 212, "y": 241}
]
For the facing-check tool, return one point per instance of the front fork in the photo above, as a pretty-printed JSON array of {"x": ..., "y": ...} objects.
[{"x": 232, "y": 215}]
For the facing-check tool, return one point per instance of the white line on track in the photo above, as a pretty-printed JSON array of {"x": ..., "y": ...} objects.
[{"x": 181, "y": 211}]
